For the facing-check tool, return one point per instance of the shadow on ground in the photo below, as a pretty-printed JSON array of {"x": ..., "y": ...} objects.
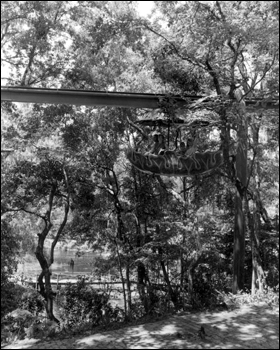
[{"x": 255, "y": 327}]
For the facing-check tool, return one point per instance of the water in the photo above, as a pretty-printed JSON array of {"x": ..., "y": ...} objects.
[{"x": 30, "y": 266}]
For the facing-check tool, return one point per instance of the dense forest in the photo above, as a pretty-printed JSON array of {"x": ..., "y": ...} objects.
[{"x": 186, "y": 242}]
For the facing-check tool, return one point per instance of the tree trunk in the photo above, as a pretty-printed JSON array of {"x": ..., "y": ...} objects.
[
  {"x": 239, "y": 244},
  {"x": 129, "y": 299},
  {"x": 190, "y": 282},
  {"x": 241, "y": 187},
  {"x": 190, "y": 271},
  {"x": 185, "y": 212},
  {"x": 172, "y": 294},
  {"x": 258, "y": 276},
  {"x": 141, "y": 285},
  {"x": 45, "y": 286},
  {"x": 122, "y": 279}
]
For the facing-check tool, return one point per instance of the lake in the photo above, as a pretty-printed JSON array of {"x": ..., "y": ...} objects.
[{"x": 30, "y": 266}]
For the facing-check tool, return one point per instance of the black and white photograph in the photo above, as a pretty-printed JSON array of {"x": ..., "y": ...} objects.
[{"x": 139, "y": 174}]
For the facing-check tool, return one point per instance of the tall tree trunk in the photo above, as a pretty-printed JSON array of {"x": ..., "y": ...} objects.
[
  {"x": 141, "y": 270},
  {"x": 239, "y": 244},
  {"x": 122, "y": 279},
  {"x": 141, "y": 285},
  {"x": 172, "y": 294},
  {"x": 129, "y": 299},
  {"x": 258, "y": 276},
  {"x": 241, "y": 187},
  {"x": 182, "y": 260},
  {"x": 182, "y": 274},
  {"x": 190, "y": 271}
]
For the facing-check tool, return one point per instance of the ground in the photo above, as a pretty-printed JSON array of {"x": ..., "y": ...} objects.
[{"x": 250, "y": 327}]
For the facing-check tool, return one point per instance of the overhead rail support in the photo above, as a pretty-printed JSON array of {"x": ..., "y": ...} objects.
[
  {"x": 114, "y": 99},
  {"x": 82, "y": 97}
]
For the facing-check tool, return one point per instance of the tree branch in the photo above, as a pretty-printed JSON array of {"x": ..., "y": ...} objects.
[
  {"x": 26, "y": 211},
  {"x": 188, "y": 59},
  {"x": 214, "y": 76},
  {"x": 51, "y": 198},
  {"x": 266, "y": 70}
]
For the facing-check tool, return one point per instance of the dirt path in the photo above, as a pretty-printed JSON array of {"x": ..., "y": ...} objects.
[{"x": 251, "y": 327}]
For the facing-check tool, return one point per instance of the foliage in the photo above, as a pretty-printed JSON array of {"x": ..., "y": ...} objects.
[
  {"x": 9, "y": 301},
  {"x": 23, "y": 313},
  {"x": 81, "y": 304},
  {"x": 33, "y": 34},
  {"x": 9, "y": 253},
  {"x": 32, "y": 301},
  {"x": 13, "y": 329},
  {"x": 206, "y": 282},
  {"x": 170, "y": 231},
  {"x": 269, "y": 297},
  {"x": 22, "y": 324}
]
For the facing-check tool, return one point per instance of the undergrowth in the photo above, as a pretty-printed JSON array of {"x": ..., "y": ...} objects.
[{"x": 268, "y": 296}]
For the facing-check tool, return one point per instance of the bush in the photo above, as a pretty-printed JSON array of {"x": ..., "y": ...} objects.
[
  {"x": 205, "y": 286},
  {"x": 14, "y": 325},
  {"x": 32, "y": 301},
  {"x": 80, "y": 304},
  {"x": 9, "y": 301},
  {"x": 20, "y": 317},
  {"x": 268, "y": 296},
  {"x": 155, "y": 302}
]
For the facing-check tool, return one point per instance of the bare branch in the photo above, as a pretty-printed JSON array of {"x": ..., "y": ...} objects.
[
  {"x": 25, "y": 210},
  {"x": 137, "y": 128},
  {"x": 266, "y": 70},
  {"x": 185, "y": 58}
]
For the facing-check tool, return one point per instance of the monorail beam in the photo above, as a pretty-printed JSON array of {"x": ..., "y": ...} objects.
[
  {"x": 114, "y": 99},
  {"x": 80, "y": 97}
]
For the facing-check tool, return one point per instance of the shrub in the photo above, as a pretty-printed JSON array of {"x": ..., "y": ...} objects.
[
  {"x": 205, "y": 285},
  {"x": 268, "y": 296},
  {"x": 155, "y": 302},
  {"x": 14, "y": 324},
  {"x": 80, "y": 304},
  {"x": 8, "y": 300},
  {"x": 32, "y": 301}
]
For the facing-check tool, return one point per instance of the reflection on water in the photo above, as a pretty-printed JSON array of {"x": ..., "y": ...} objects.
[{"x": 82, "y": 265}]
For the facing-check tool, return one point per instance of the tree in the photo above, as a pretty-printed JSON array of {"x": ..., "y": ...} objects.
[
  {"x": 33, "y": 41},
  {"x": 9, "y": 253},
  {"x": 69, "y": 162},
  {"x": 218, "y": 40}
]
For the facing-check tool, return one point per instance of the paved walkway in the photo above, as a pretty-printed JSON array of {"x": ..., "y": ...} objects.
[{"x": 251, "y": 327}]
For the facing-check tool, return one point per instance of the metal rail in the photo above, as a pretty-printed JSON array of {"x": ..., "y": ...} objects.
[
  {"x": 83, "y": 97},
  {"x": 101, "y": 98}
]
